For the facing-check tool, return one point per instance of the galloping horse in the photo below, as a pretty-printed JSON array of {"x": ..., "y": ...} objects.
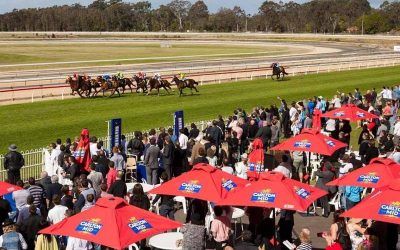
[
  {"x": 188, "y": 83},
  {"x": 155, "y": 84},
  {"x": 140, "y": 83},
  {"x": 125, "y": 82},
  {"x": 79, "y": 85},
  {"x": 278, "y": 71},
  {"x": 112, "y": 85},
  {"x": 97, "y": 83}
]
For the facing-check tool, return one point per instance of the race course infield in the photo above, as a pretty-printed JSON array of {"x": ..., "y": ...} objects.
[{"x": 34, "y": 125}]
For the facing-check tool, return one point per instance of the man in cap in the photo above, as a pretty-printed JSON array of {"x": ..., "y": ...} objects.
[
  {"x": 10, "y": 239},
  {"x": 13, "y": 162}
]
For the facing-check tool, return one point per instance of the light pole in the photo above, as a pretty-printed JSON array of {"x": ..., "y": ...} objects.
[{"x": 247, "y": 16}]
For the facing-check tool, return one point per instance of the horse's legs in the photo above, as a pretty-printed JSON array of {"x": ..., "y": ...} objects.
[
  {"x": 195, "y": 88},
  {"x": 165, "y": 90},
  {"x": 130, "y": 86}
]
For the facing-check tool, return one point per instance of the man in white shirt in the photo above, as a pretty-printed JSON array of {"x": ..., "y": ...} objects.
[
  {"x": 293, "y": 111},
  {"x": 241, "y": 167},
  {"x": 53, "y": 160},
  {"x": 20, "y": 196},
  {"x": 78, "y": 244},
  {"x": 284, "y": 167},
  {"x": 346, "y": 165},
  {"x": 93, "y": 146},
  {"x": 336, "y": 102},
  {"x": 225, "y": 167},
  {"x": 395, "y": 156},
  {"x": 57, "y": 213},
  {"x": 183, "y": 140}
]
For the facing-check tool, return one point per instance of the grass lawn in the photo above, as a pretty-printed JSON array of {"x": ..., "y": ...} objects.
[
  {"x": 45, "y": 52},
  {"x": 37, "y": 124}
]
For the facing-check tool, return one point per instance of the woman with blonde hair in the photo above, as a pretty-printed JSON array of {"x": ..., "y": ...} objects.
[{"x": 305, "y": 240}]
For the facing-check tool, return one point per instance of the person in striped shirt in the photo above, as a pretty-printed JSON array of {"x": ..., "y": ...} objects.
[
  {"x": 37, "y": 192},
  {"x": 305, "y": 240}
]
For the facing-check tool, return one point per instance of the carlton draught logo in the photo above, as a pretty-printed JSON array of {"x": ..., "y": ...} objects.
[
  {"x": 228, "y": 184},
  {"x": 92, "y": 226},
  {"x": 139, "y": 226},
  {"x": 255, "y": 167},
  {"x": 360, "y": 115},
  {"x": 264, "y": 196},
  {"x": 190, "y": 187},
  {"x": 330, "y": 143},
  {"x": 302, "y": 144},
  {"x": 304, "y": 194},
  {"x": 391, "y": 210},
  {"x": 369, "y": 178},
  {"x": 338, "y": 114}
]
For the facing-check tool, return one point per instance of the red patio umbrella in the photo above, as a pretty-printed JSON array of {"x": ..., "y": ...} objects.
[
  {"x": 349, "y": 112},
  {"x": 273, "y": 190},
  {"x": 381, "y": 205},
  {"x": 6, "y": 188},
  {"x": 203, "y": 182},
  {"x": 316, "y": 121},
  {"x": 380, "y": 172},
  {"x": 311, "y": 140},
  {"x": 113, "y": 223}
]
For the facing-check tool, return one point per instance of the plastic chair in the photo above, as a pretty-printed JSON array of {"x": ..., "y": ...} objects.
[
  {"x": 182, "y": 200},
  {"x": 335, "y": 201},
  {"x": 131, "y": 168}
]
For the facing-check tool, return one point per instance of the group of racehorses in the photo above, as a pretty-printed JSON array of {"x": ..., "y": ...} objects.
[{"x": 86, "y": 86}]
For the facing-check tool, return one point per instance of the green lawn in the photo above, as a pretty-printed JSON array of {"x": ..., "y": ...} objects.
[
  {"x": 36, "y": 124},
  {"x": 50, "y": 52}
]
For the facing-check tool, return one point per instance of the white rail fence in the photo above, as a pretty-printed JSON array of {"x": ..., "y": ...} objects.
[{"x": 35, "y": 159}]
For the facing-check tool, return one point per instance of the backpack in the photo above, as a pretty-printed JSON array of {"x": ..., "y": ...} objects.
[{"x": 343, "y": 237}]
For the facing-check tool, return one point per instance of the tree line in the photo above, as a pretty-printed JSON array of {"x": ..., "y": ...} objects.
[{"x": 316, "y": 16}]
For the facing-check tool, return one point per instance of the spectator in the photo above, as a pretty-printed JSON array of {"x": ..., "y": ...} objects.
[
  {"x": 30, "y": 227},
  {"x": 118, "y": 188},
  {"x": 13, "y": 162},
  {"x": 57, "y": 213},
  {"x": 45, "y": 241},
  {"x": 225, "y": 166},
  {"x": 284, "y": 167},
  {"x": 151, "y": 161},
  {"x": 139, "y": 199},
  {"x": 44, "y": 179},
  {"x": 118, "y": 160},
  {"x": 104, "y": 193},
  {"x": 96, "y": 178},
  {"x": 82, "y": 198},
  {"x": 305, "y": 240},
  {"x": 24, "y": 212},
  {"x": 353, "y": 196},
  {"x": 325, "y": 175},
  {"x": 52, "y": 190},
  {"x": 286, "y": 223},
  {"x": 220, "y": 229},
  {"x": 167, "y": 208},
  {"x": 20, "y": 196},
  {"x": 183, "y": 139},
  {"x": 246, "y": 243},
  {"x": 73, "y": 170},
  {"x": 11, "y": 238},
  {"x": 194, "y": 132},
  {"x": 90, "y": 202},
  {"x": 5, "y": 208},
  {"x": 241, "y": 167},
  {"x": 100, "y": 167},
  {"x": 66, "y": 198},
  {"x": 167, "y": 155},
  {"x": 201, "y": 158},
  {"x": 37, "y": 192},
  {"x": 136, "y": 146},
  {"x": 298, "y": 163},
  {"x": 112, "y": 174},
  {"x": 193, "y": 234}
]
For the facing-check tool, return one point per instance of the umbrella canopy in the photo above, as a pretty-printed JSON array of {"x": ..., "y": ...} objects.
[
  {"x": 349, "y": 112},
  {"x": 203, "y": 182},
  {"x": 275, "y": 191},
  {"x": 316, "y": 121},
  {"x": 113, "y": 223},
  {"x": 381, "y": 205},
  {"x": 311, "y": 140},
  {"x": 6, "y": 188},
  {"x": 380, "y": 172}
]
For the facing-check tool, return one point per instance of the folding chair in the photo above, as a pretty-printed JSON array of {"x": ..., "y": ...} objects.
[{"x": 131, "y": 169}]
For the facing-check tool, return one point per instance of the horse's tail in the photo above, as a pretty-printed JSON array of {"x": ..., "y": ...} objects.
[{"x": 284, "y": 71}]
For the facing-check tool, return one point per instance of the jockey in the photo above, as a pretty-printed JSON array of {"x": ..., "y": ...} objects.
[
  {"x": 182, "y": 76},
  {"x": 277, "y": 65},
  {"x": 106, "y": 77},
  {"x": 75, "y": 76},
  {"x": 120, "y": 75},
  {"x": 141, "y": 75},
  {"x": 157, "y": 76}
]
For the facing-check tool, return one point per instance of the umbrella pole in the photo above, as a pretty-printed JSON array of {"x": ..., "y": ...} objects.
[{"x": 275, "y": 233}]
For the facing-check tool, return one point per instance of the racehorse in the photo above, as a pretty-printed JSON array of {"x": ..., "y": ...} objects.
[
  {"x": 125, "y": 82},
  {"x": 97, "y": 83},
  {"x": 112, "y": 85},
  {"x": 79, "y": 85},
  {"x": 155, "y": 84},
  {"x": 278, "y": 71},
  {"x": 140, "y": 83},
  {"x": 188, "y": 83}
]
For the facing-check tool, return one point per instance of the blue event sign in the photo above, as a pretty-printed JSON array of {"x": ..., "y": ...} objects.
[
  {"x": 115, "y": 132},
  {"x": 178, "y": 122}
]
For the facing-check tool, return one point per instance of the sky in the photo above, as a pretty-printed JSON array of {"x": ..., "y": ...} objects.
[{"x": 250, "y": 6}]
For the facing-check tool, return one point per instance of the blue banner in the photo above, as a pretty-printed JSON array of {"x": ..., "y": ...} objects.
[
  {"x": 115, "y": 132},
  {"x": 178, "y": 122}
]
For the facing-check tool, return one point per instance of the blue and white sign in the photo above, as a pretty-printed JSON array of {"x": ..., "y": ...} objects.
[
  {"x": 115, "y": 132},
  {"x": 178, "y": 122}
]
